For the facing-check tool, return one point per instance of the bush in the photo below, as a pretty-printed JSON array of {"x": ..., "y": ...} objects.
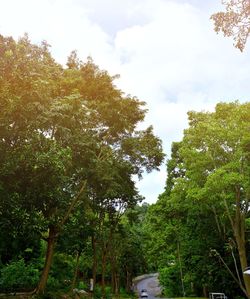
[
  {"x": 18, "y": 276},
  {"x": 108, "y": 293},
  {"x": 98, "y": 292},
  {"x": 49, "y": 295},
  {"x": 82, "y": 285},
  {"x": 124, "y": 294},
  {"x": 170, "y": 280},
  {"x": 62, "y": 272},
  {"x": 53, "y": 283}
]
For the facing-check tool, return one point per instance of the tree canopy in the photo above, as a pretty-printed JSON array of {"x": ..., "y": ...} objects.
[
  {"x": 67, "y": 135},
  {"x": 202, "y": 217}
]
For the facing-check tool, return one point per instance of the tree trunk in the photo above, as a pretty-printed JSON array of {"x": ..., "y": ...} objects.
[
  {"x": 115, "y": 279},
  {"x": 76, "y": 269},
  {"x": 128, "y": 280},
  {"x": 112, "y": 278},
  {"x": 239, "y": 233},
  {"x": 105, "y": 249},
  {"x": 180, "y": 265},
  {"x": 94, "y": 265},
  {"x": 243, "y": 263},
  {"x": 117, "y": 284},
  {"x": 205, "y": 291},
  {"x": 238, "y": 227},
  {"x": 51, "y": 241},
  {"x": 103, "y": 273}
]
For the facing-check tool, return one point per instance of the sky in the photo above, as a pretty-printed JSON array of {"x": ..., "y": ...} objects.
[{"x": 166, "y": 52}]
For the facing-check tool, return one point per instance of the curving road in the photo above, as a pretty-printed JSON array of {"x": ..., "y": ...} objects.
[{"x": 151, "y": 284}]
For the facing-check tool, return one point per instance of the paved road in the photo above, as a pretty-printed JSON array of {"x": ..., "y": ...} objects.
[{"x": 151, "y": 284}]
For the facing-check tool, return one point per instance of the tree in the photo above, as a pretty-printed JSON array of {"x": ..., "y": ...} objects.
[
  {"x": 235, "y": 21},
  {"x": 205, "y": 206},
  {"x": 61, "y": 131},
  {"x": 215, "y": 156}
]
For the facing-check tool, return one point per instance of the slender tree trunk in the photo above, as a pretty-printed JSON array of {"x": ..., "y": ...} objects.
[
  {"x": 48, "y": 260},
  {"x": 105, "y": 248},
  {"x": 128, "y": 280},
  {"x": 180, "y": 265},
  {"x": 112, "y": 276},
  {"x": 115, "y": 283},
  {"x": 76, "y": 269},
  {"x": 51, "y": 241},
  {"x": 94, "y": 265},
  {"x": 113, "y": 269},
  {"x": 103, "y": 273},
  {"x": 239, "y": 233},
  {"x": 205, "y": 291},
  {"x": 243, "y": 263}
]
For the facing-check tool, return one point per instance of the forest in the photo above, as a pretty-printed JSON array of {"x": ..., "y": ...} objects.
[{"x": 71, "y": 215}]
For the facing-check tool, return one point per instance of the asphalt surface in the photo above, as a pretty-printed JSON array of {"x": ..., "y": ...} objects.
[{"x": 151, "y": 284}]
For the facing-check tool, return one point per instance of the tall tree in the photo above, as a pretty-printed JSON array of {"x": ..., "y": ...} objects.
[
  {"x": 217, "y": 166},
  {"x": 205, "y": 207},
  {"x": 60, "y": 128}
]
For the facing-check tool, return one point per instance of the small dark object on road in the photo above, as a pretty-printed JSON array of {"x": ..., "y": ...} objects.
[{"x": 144, "y": 293}]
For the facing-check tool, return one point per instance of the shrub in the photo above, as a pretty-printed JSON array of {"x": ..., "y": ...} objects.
[
  {"x": 62, "y": 271},
  {"x": 82, "y": 285},
  {"x": 170, "y": 280},
  {"x": 108, "y": 292},
  {"x": 98, "y": 292},
  {"x": 18, "y": 276}
]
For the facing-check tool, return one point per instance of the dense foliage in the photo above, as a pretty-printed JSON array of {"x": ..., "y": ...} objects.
[
  {"x": 200, "y": 225},
  {"x": 69, "y": 152}
]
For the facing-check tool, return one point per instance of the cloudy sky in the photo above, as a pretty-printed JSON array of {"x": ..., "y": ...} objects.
[{"x": 165, "y": 51}]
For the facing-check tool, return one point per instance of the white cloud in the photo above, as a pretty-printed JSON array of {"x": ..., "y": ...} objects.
[{"x": 177, "y": 63}]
